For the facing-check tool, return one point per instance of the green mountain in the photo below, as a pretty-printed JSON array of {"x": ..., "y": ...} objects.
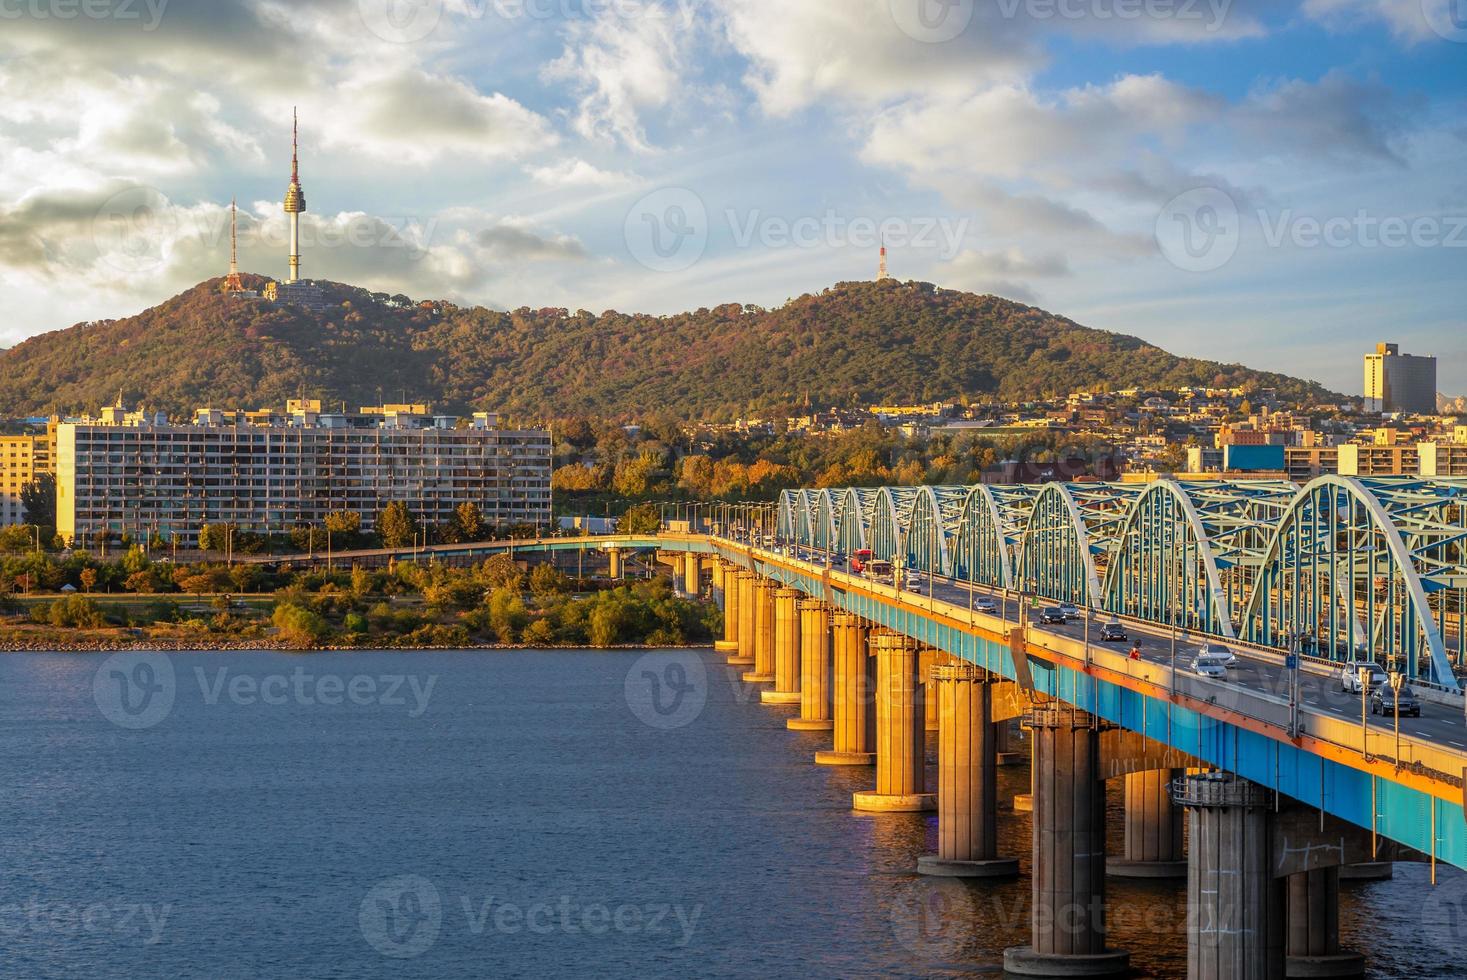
[{"x": 856, "y": 342}]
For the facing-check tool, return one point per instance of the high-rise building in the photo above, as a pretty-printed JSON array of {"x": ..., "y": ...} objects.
[
  {"x": 22, "y": 459},
  {"x": 270, "y": 471},
  {"x": 1396, "y": 382}
]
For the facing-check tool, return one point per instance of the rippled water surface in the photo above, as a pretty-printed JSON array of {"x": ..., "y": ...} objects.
[{"x": 500, "y": 814}]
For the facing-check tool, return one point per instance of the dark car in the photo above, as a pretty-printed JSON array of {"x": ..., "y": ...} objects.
[
  {"x": 1113, "y": 633},
  {"x": 1383, "y": 701},
  {"x": 1052, "y": 616}
]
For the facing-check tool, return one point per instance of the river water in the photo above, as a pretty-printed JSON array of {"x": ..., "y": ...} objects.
[{"x": 474, "y": 814}]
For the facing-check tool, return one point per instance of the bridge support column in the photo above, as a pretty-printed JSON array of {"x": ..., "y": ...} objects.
[
  {"x": 692, "y": 575},
  {"x": 762, "y": 644},
  {"x": 1068, "y": 926},
  {"x": 726, "y": 590},
  {"x": 1153, "y": 828},
  {"x": 786, "y": 649},
  {"x": 854, "y": 695},
  {"x": 815, "y": 700},
  {"x": 930, "y": 657},
  {"x": 1235, "y": 907},
  {"x": 1024, "y": 802},
  {"x": 901, "y": 742},
  {"x": 614, "y": 558},
  {"x": 746, "y": 584},
  {"x": 1313, "y": 942},
  {"x": 967, "y": 777}
]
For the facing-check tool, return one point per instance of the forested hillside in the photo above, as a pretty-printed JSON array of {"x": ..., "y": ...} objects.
[{"x": 853, "y": 343}]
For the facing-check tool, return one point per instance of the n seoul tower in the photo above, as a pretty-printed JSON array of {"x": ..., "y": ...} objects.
[{"x": 295, "y": 200}]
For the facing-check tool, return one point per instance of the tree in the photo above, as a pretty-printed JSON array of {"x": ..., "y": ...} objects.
[
  {"x": 640, "y": 519},
  {"x": 88, "y": 579},
  {"x": 343, "y": 522},
  {"x": 210, "y": 537},
  {"x": 547, "y": 580},
  {"x": 38, "y": 498},
  {"x": 298, "y": 627},
  {"x": 468, "y": 521},
  {"x": 395, "y": 525}
]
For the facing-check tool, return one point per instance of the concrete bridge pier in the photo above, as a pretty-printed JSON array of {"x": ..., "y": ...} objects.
[
  {"x": 930, "y": 657},
  {"x": 815, "y": 690},
  {"x": 1235, "y": 906},
  {"x": 1313, "y": 940},
  {"x": 786, "y": 649},
  {"x": 614, "y": 560},
  {"x": 901, "y": 739},
  {"x": 967, "y": 777},
  {"x": 1068, "y": 919},
  {"x": 692, "y": 575},
  {"x": 762, "y": 602},
  {"x": 726, "y": 591},
  {"x": 744, "y": 591},
  {"x": 853, "y": 694},
  {"x": 1153, "y": 828}
]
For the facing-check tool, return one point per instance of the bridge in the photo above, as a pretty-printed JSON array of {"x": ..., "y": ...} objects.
[{"x": 1285, "y": 781}]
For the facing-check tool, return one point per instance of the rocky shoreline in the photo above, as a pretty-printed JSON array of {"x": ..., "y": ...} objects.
[{"x": 225, "y": 646}]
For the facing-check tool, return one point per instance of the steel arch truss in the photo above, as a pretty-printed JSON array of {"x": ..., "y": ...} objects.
[
  {"x": 1067, "y": 540},
  {"x": 853, "y": 519},
  {"x": 791, "y": 507},
  {"x": 889, "y": 522},
  {"x": 1187, "y": 552},
  {"x": 990, "y": 527},
  {"x": 1368, "y": 568},
  {"x": 931, "y": 525}
]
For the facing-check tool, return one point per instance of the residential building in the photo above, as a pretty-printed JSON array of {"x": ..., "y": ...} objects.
[
  {"x": 268, "y": 472},
  {"x": 1396, "y": 382},
  {"x": 22, "y": 459}
]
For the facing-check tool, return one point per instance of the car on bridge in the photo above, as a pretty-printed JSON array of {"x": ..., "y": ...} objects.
[
  {"x": 1227, "y": 656},
  {"x": 1113, "y": 633},
  {"x": 1350, "y": 675},
  {"x": 1052, "y": 616},
  {"x": 1070, "y": 610},
  {"x": 985, "y": 604},
  {"x": 860, "y": 560},
  {"x": 1385, "y": 700},
  {"x": 1210, "y": 665}
]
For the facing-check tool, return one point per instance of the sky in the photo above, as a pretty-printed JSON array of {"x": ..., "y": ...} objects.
[{"x": 1276, "y": 183}]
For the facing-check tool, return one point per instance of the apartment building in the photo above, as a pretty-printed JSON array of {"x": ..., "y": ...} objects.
[
  {"x": 22, "y": 459},
  {"x": 268, "y": 472}
]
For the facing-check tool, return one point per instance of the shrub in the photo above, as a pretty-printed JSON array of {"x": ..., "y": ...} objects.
[{"x": 299, "y": 627}]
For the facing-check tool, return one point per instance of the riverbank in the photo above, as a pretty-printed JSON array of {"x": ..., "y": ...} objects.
[{"x": 117, "y": 644}]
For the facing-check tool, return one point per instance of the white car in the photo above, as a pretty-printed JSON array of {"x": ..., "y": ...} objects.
[
  {"x": 1350, "y": 675},
  {"x": 984, "y": 604},
  {"x": 1206, "y": 665},
  {"x": 1070, "y": 610},
  {"x": 1218, "y": 651}
]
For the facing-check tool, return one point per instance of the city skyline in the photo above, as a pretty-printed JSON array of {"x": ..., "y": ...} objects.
[{"x": 1067, "y": 172}]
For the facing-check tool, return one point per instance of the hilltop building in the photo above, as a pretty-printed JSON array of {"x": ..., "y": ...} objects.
[
  {"x": 269, "y": 471},
  {"x": 1396, "y": 382}
]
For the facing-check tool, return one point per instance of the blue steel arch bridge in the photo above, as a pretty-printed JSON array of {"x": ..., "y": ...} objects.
[{"x": 1342, "y": 568}]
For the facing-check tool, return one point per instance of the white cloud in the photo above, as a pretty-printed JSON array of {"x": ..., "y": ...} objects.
[
  {"x": 1408, "y": 20},
  {"x": 575, "y": 172},
  {"x": 621, "y": 67}
]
